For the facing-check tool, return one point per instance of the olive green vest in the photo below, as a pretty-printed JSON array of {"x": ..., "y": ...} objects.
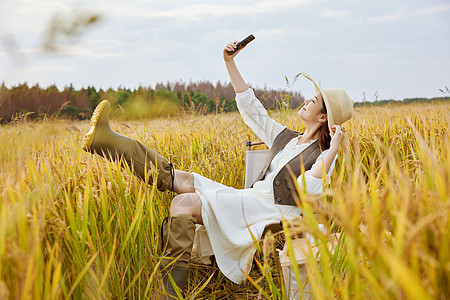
[{"x": 283, "y": 186}]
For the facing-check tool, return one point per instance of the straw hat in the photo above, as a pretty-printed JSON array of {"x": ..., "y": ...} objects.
[{"x": 338, "y": 103}]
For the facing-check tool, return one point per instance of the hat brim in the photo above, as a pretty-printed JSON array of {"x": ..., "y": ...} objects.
[{"x": 325, "y": 100}]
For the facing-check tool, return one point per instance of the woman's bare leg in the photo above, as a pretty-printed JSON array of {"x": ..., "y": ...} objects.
[
  {"x": 188, "y": 203},
  {"x": 183, "y": 182}
]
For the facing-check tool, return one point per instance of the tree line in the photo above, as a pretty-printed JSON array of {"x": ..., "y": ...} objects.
[
  {"x": 169, "y": 98},
  {"x": 400, "y": 102}
]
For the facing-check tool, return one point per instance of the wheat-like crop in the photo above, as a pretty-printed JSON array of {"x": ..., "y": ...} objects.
[{"x": 73, "y": 225}]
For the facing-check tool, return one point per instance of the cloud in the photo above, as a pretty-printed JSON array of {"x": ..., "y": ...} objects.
[
  {"x": 69, "y": 50},
  {"x": 404, "y": 12},
  {"x": 73, "y": 50},
  {"x": 336, "y": 14},
  {"x": 272, "y": 33},
  {"x": 109, "y": 42},
  {"x": 199, "y": 11},
  {"x": 31, "y": 8}
]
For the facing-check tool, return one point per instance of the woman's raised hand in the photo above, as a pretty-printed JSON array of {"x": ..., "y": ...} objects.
[
  {"x": 337, "y": 134},
  {"x": 230, "y": 47},
  {"x": 237, "y": 81}
]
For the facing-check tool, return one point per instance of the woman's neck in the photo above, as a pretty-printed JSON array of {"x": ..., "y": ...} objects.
[{"x": 311, "y": 133}]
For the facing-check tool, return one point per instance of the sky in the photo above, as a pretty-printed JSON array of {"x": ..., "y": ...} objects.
[{"x": 383, "y": 49}]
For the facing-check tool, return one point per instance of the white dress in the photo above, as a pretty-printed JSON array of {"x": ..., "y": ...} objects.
[{"x": 229, "y": 214}]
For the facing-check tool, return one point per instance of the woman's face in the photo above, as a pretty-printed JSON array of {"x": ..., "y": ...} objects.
[{"x": 311, "y": 111}]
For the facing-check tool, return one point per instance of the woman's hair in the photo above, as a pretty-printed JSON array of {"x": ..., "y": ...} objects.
[{"x": 324, "y": 133}]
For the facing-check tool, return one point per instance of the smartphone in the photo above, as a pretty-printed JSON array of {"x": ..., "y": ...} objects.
[{"x": 242, "y": 43}]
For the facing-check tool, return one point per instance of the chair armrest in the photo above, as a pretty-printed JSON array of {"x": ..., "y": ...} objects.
[
  {"x": 273, "y": 227},
  {"x": 250, "y": 144}
]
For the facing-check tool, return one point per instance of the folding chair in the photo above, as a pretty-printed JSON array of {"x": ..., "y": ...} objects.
[{"x": 254, "y": 163}]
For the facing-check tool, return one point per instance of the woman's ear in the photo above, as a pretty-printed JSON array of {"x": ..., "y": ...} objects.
[{"x": 322, "y": 118}]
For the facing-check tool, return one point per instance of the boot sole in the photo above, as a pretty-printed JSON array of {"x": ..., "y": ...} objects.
[{"x": 89, "y": 136}]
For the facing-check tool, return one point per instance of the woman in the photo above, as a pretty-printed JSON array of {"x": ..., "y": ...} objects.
[{"x": 230, "y": 216}]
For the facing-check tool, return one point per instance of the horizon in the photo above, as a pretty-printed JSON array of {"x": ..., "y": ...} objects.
[{"x": 445, "y": 94}]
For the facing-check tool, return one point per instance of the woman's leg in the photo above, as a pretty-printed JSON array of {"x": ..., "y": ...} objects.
[
  {"x": 178, "y": 231},
  {"x": 183, "y": 182},
  {"x": 143, "y": 161},
  {"x": 187, "y": 204}
]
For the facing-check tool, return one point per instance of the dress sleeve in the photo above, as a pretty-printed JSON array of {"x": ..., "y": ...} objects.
[
  {"x": 255, "y": 116},
  {"x": 315, "y": 185}
]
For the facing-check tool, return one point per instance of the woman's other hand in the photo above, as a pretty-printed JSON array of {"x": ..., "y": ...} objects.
[
  {"x": 230, "y": 47},
  {"x": 337, "y": 134}
]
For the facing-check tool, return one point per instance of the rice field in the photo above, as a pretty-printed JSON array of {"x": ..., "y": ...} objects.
[{"x": 73, "y": 225}]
